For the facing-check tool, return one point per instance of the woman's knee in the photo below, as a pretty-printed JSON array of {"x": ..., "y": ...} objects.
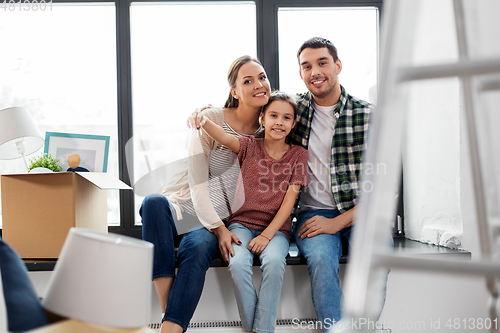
[
  {"x": 198, "y": 247},
  {"x": 157, "y": 217},
  {"x": 200, "y": 241},
  {"x": 154, "y": 201}
]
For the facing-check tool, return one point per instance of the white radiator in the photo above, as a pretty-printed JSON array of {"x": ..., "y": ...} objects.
[{"x": 233, "y": 326}]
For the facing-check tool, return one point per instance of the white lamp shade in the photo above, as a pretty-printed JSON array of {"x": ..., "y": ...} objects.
[
  {"x": 103, "y": 279},
  {"x": 17, "y": 123}
]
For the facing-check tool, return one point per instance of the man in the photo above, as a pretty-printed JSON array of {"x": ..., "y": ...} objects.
[{"x": 333, "y": 126}]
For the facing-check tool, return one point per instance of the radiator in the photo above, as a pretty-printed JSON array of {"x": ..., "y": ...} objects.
[{"x": 234, "y": 326}]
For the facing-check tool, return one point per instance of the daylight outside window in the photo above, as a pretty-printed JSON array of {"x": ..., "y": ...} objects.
[
  {"x": 181, "y": 53},
  {"x": 354, "y": 33},
  {"x": 60, "y": 64}
]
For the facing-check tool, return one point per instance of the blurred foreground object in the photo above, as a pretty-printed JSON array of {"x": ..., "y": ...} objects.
[{"x": 102, "y": 279}]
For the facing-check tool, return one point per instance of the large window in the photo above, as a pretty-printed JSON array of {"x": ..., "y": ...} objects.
[
  {"x": 134, "y": 70},
  {"x": 175, "y": 73}
]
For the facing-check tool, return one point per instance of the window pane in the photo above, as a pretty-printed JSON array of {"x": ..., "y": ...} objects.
[
  {"x": 353, "y": 31},
  {"x": 60, "y": 64},
  {"x": 180, "y": 56}
]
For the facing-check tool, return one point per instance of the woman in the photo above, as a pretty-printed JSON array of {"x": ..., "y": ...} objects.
[{"x": 192, "y": 196}]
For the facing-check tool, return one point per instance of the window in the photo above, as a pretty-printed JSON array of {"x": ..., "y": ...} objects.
[
  {"x": 353, "y": 31},
  {"x": 63, "y": 70},
  {"x": 175, "y": 73}
]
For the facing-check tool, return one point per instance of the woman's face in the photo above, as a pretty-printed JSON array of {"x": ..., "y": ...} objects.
[{"x": 252, "y": 86}]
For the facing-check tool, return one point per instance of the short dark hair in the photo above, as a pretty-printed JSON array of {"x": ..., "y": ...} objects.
[{"x": 317, "y": 43}]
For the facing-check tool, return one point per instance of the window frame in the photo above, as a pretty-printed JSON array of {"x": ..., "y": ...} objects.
[{"x": 267, "y": 52}]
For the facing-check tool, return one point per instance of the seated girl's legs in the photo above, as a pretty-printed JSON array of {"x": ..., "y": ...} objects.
[
  {"x": 196, "y": 250},
  {"x": 273, "y": 261},
  {"x": 240, "y": 267},
  {"x": 323, "y": 253}
]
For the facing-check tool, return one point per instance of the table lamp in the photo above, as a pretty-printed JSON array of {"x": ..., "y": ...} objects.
[
  {"x": 102, "y": 279},
  {"x": 19, "y": 135}
]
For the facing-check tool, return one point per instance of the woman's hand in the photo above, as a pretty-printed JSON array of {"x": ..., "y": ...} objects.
[
  {"x": 196, "y": 120},
  {"x": 226, "y": 238},
  {"x": 258, "y": 244}
]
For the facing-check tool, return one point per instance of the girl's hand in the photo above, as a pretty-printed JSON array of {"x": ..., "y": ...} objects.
[
  {"x": 196, "y": 120},
  {"x": 258, "y": 244}
]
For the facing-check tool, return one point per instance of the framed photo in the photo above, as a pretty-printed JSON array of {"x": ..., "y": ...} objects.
[{"x": 91, "y": 151}]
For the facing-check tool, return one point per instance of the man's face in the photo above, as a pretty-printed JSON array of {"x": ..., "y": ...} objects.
[{"x": 320, "y": 72}]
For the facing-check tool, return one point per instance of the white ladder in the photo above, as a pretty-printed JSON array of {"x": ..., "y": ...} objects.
[{"x": 371, "y": 255}]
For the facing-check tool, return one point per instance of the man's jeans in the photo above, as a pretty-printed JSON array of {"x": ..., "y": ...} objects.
[
  {"x": 258, "y": 313},
  {"x": 196, "y": 250},
  {"x": 323, "y": 253}
]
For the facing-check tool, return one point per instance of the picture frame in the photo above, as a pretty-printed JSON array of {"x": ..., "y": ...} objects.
[{"x": 92, "y": 149}]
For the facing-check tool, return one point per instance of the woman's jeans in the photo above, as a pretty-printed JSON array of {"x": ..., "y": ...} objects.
[
  {"x": 23, "y": 310},
  {"x": 258, "y": 313},
  {"x": 196, "y": 250},
  {"x": 323, "y": 253}
]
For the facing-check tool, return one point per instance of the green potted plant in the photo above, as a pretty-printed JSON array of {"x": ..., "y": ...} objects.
[{"x": 44, "y": 163}]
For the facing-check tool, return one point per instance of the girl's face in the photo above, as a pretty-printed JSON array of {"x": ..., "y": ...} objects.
[
  {"x": 278, "y": 120},
  {"x": 252, "y": 86}
]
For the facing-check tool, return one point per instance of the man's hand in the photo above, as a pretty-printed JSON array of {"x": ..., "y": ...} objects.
[
  {"x": 226, "y": 238},
  {"x": 258, "y": 244},
  {"x": 319, "y": 225}
]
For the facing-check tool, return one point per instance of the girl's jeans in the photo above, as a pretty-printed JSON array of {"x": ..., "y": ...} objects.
[{"x": 258, "y": 313}]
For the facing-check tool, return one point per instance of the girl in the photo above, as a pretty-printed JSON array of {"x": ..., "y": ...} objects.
[{"x": 272, "y": 172}]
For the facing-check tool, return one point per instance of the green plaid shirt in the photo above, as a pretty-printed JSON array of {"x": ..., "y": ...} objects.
[{"x": 348, "y": 144}]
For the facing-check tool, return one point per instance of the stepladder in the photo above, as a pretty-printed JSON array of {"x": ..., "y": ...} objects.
[{"x": 477, "y": 69}]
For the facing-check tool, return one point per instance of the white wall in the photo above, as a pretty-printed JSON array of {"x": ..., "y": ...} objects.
[
  {"x": 439, "y": 201},
  {"x": 438, "y": 188},
  {"x": 432, "y": 152}
]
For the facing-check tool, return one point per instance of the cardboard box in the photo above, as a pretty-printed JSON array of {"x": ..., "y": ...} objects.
[{"x": 39, "y": 209}]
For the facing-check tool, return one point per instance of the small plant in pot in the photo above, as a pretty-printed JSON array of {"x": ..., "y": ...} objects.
[{"x": 44, "y": 163}]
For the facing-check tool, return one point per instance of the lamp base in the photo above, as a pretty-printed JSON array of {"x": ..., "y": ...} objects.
[{"x": 21, "y": 151}]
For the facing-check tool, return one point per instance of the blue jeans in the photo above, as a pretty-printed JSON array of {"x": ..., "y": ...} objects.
[
  {"x": 24, "y": 312},
  {"x": 258, "y": 313},
  {"x": 196, "y": 250},
  {"x": 323, "y": 253}
]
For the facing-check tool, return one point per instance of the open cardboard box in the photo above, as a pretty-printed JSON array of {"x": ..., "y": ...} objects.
[{"x": 39, "y": 209}]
